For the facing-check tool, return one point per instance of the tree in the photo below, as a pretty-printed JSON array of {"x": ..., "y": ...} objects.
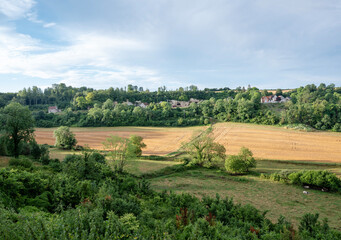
[
  {"x": 203, "y": 150},
  {"x": 279, "y": 92},
  {"x": 137, "y": 143},
  {"x": 240, "y": 163},
  {"x": 17, "y": 125},
  {"x": 120, "y": 150},
  {"x": 65, "y": 139}
]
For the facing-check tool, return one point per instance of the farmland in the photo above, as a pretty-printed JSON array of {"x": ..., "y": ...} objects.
[
  {"x": 266, "y": 142},
  {"x": 159, "y": 141},
  {"x": 293, "y": 150}
]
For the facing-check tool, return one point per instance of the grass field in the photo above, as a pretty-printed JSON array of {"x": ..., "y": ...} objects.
[
  {"x": 266, "y": 142},
  {"x": 278, "y": 198}
]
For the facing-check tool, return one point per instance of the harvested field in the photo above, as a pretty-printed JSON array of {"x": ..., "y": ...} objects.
[
  {"x": 159, "y": 141},
  {"x": 269, "y": 142},
  {"x": 266, "y": 142}
]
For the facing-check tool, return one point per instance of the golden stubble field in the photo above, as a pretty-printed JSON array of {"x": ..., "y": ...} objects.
[
  {"x": 159, "y": 141},
  {"x": 267, "y": 142}
]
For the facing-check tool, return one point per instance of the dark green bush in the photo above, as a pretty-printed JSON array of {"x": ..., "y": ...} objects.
[
  {"x": 322, "y": 179},
  {"x": 21, "y": 162}
]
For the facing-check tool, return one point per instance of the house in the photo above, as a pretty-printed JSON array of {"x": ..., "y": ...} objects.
[
  {"x": 180, "y": 104},
  {"x": 193, "y": 100},
  {"x": 53, "y": 109},
  {"x": 128, "y": 103},
  {"x": 183, "y": 104},
  {"x": 143, "y": 105},
  {"x": 286, "y": 99},
  {"x": 274, "y": 99},
  {"x": 266, "y": 99}
]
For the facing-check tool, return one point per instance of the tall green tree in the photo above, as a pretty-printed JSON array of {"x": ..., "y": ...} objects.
[
  {"x": 203, "y": 150},
  {"x": 138, "y": 144},
  {"x": 18, "y": 125},
  {"x": 65, "y": 139},
  {"x": 120, "y": 150}
]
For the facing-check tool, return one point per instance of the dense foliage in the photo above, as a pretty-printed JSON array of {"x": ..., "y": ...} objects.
[
  {"x": 324, "y": 180},
  {"x": 85, "y": 199},
  {"x": 240, "y": 163},
  {"x": 123, "y": 149},
  {"x": 203, "y": 151},
  {"x": 17, "y": 126},
  {"x": 318, "y": 107},
  {"x": 65, "y": 139}
]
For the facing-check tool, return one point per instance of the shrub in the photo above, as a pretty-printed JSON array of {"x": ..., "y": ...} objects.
[
  {"x": 21, "y": 162},
  {"x": 323, "y": 179},
  {"x": 65, "y": 139},
  {"x": 337, "y": 127},
  {"x": 240, "y": 163}
]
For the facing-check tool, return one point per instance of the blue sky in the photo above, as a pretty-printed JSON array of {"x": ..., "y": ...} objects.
[{"x": 208, "y": 43}]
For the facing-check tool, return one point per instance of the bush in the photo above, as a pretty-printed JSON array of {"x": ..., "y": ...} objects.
[
  {"x": 65, "y": 139},
  {"x": 21, "y": 162},
  {"x": 240, "y": 163},
  {"x": 322, "y": 179},
  {"x": 337, "y": 127},
  {"x": 40, "y": 152}
]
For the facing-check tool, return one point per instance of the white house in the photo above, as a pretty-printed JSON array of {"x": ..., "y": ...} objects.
[
  {"x": 53, "y": 109},
  {"x": 128, "y": 103},
  {"x": 274, "y": 99},
  {"x": 143, "y": 105}
]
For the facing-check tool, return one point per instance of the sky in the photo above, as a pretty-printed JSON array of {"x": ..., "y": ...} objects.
[{"x": 151, "y": 43}]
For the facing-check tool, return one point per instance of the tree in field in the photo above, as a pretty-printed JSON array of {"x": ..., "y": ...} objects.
[
  {"x": 203, "y": 150},
  {"x": 65, "y": 139},
  {"x": 240, "y": 163},
  {"x": 17, "y": 124},
  {"x": 120, "y": 150},
  {"x": 138, "y": 144}
]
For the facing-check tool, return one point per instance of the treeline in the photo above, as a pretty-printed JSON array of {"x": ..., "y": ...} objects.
[
  {"x": 81, "y": 98},
  {"x": 318, "y": 107},
  {"x": 83, "y": 198},
  {"x": 244, "y": 106}
]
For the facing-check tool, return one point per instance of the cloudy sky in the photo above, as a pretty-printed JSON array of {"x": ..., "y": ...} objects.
[{"x": 151, "y": 43}]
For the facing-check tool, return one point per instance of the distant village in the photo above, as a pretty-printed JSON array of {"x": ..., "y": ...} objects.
[
  {"x": 185, "y": 104},
  {"x": 274, "y": 99}
]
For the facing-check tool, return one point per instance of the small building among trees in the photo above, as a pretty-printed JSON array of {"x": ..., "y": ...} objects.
[{"x": 53, "y": 109}]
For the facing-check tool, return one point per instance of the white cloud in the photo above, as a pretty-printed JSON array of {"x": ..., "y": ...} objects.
[
  {"x": 90, "y": 59},
  {"x": 48, "y": 25},
  {"x": 15, "y": 9}
]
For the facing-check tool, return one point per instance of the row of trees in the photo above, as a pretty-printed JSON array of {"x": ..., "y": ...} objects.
[
  {"x": 318, "y": 107},
  {"x": 82, "y": 98},
  {"x": 244, "y": 107}
]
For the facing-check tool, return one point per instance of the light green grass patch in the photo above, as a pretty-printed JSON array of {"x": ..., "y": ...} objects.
[
  {"x": 278, "y": 198},
  {"x": 139, "y": 166},
  {"x": 60, "y": 153}
]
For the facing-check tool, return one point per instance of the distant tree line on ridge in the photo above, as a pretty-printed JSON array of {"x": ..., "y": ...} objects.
[{"x": 318, "y": 107}]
